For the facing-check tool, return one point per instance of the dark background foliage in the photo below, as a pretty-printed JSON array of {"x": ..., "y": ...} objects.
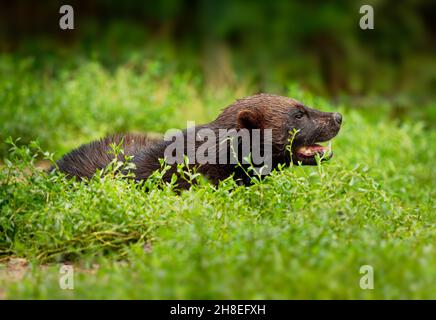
[{"x": 317, "y": 43}]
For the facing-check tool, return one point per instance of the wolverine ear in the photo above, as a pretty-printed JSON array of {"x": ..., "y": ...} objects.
[{"x": 250, "y": 119}]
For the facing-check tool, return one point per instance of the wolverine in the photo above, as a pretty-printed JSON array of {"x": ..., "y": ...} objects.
[{"x": 296, "y": 131}]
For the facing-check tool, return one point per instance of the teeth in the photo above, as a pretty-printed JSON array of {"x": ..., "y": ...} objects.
[
  {"x": 309, "y": 151},
  {"x": 327, "y": 150}
]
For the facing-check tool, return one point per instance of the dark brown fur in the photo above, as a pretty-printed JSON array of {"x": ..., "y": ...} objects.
[
  {"x": 88, "y": 158},
  {"x": 262, "y": 111}
]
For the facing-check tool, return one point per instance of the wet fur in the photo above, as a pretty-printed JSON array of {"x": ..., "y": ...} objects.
[{"x": 262, "y": 111}]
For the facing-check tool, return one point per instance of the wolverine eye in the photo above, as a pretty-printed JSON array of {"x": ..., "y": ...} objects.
[{"x": 299, "y": 115}]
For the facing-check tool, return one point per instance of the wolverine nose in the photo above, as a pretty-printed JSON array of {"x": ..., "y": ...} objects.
[{"x": 338, "y": 117}]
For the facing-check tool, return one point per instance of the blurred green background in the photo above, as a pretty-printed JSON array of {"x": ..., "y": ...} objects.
[
  {"x": 262, "y": 44},
  {"x": 221, "y": 50}
]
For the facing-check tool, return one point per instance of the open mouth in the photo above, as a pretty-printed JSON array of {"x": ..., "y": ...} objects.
[{"x": 310, "y": 151}]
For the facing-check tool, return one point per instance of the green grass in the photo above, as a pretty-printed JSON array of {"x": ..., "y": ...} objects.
[{"x": 303, "y": 232}]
